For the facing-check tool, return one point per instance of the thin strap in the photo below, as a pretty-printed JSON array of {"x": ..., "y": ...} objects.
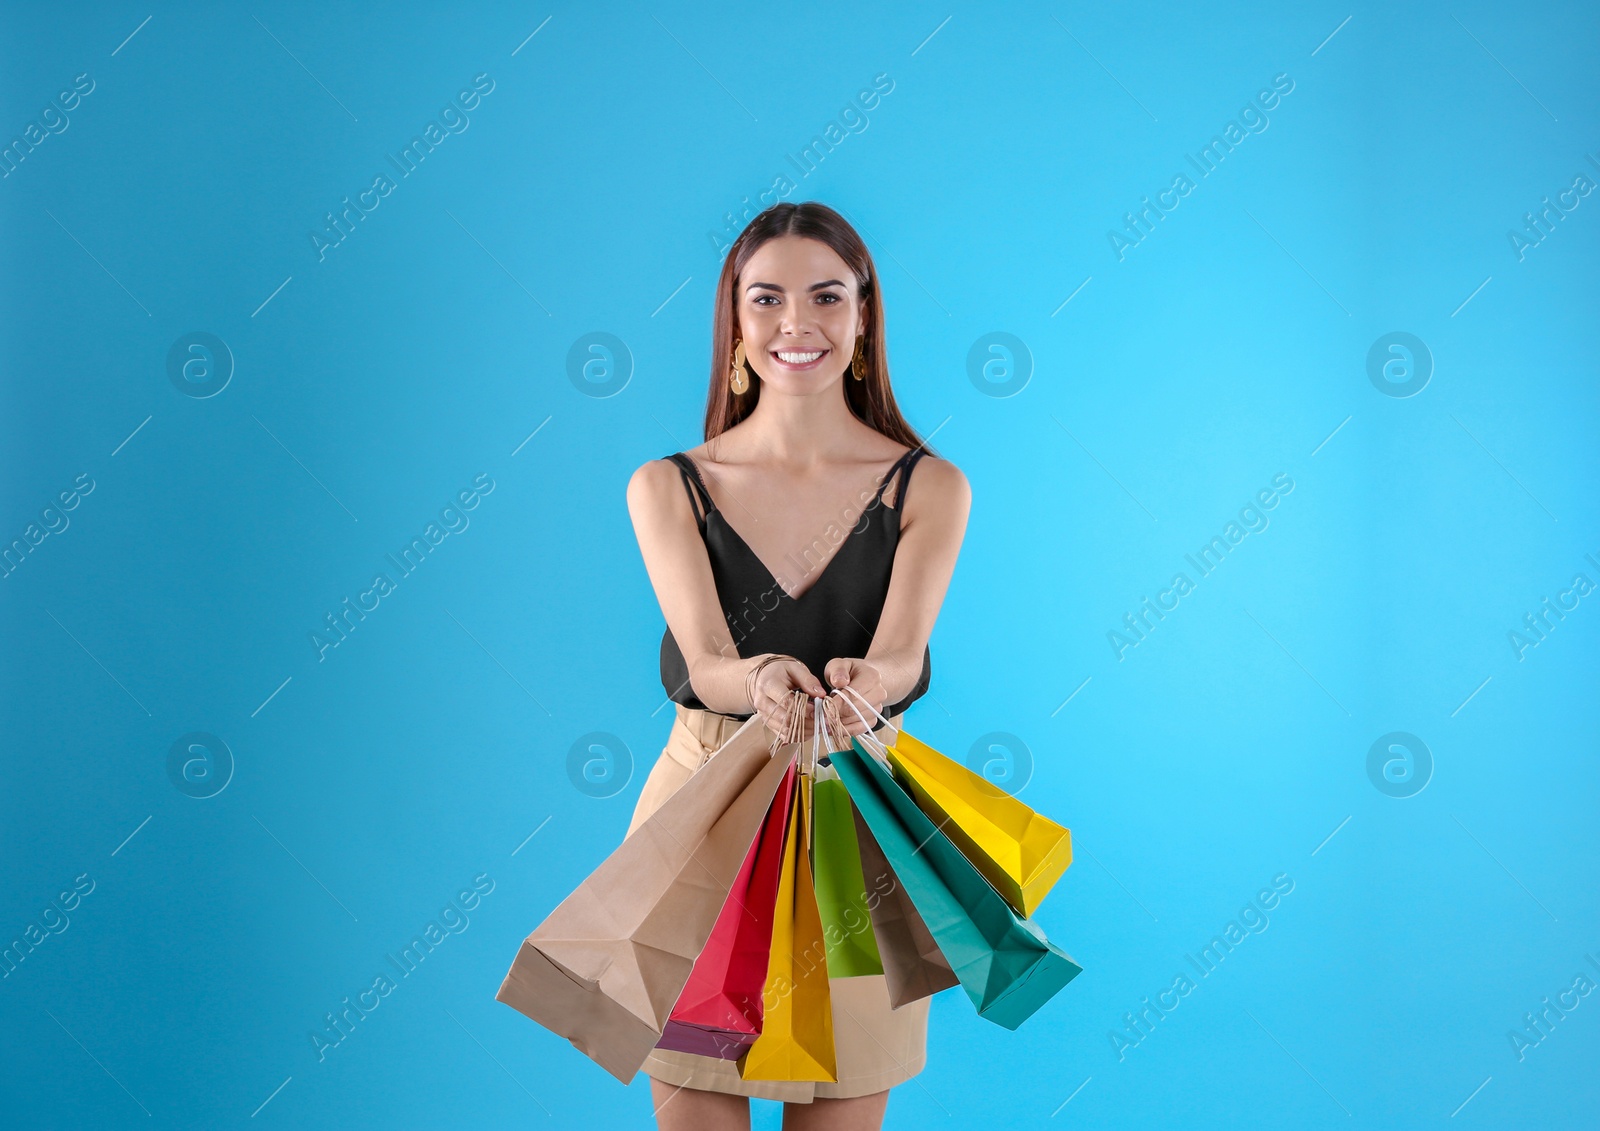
[
  {"x": 699, "y": 497},
  {"x": 905, "y": 478},
  {"x": 888, "y": 477},
  {"x": 903, "y": 465}
]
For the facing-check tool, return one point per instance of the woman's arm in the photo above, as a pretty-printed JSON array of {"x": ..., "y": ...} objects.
[
  {"x": 931, "y": 529},
  {"x": 680, "y": 572}
]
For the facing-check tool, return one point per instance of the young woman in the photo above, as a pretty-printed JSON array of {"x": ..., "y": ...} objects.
[{"x": 787, "y": 550}]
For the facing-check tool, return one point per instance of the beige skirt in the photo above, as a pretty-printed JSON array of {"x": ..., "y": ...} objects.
[{"x": 876, "y": 1045}]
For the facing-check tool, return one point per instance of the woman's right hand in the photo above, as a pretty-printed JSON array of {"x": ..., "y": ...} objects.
[{"x": 772, "y": 694}]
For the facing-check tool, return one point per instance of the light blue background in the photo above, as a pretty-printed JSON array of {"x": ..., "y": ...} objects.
[{"x": 425, "y": 749}]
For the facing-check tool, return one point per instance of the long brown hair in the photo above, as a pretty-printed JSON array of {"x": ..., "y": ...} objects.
[{"x": 871, "y": 399}]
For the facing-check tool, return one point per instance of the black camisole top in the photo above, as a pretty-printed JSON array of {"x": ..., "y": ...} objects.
[{"x": 836, "y": 616}]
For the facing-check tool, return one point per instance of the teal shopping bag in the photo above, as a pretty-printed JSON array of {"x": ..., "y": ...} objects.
[{"x": 1005, "y": 963}]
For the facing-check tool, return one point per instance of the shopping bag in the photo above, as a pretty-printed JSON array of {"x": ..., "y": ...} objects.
[
  {"x": 841, "y": 887},
  {"x": 1020, "y": 852},
  {"x": 606, "y": 966},
  {"x": 913, "y": 968},
  {"x": 796, "y": 1041},
  {"x": 719, "y": 1012},
  {"x": 1006, "y": 965}
]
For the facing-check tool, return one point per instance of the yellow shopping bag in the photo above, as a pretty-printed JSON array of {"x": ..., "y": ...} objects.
[
  {"x": 796, "y": 1041},
  {"x": 1021, "y": 853}
]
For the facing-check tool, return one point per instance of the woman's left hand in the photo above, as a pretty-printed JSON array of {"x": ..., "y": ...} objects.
[{"x": 864, "y": 679}]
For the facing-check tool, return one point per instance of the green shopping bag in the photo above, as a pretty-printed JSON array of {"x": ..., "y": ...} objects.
[
  {"x": 1005, "y": 963},
  {"x": 841, "y": 889}
]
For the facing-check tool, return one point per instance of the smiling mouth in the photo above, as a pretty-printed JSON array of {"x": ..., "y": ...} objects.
[{"x": 798, "y": 359}]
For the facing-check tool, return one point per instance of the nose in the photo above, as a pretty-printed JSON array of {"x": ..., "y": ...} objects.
[{"x": 796, "y": 323}]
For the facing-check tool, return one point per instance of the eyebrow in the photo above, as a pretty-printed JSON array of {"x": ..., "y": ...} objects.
[{"x": 780, "y": 290}]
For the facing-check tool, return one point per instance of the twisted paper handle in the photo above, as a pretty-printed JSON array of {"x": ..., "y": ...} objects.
[
  {"x": 816, "y": 730},
  {"x": 827, "y": 734},
  {"x": 793, "y": 725},
  {"x": 868, "y": 739},
  {"x": 869, "y": 707}
]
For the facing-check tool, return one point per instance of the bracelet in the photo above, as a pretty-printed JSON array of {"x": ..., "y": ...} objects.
[{"x": 750, "y": 679}]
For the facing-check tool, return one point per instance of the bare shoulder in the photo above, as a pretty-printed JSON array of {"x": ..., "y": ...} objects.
[
  {"x": 941, "y": 478},
  {"x": 653, "y": 485},
  {"x": 938, "y": 488},
  {"x": 652, "y": 475}
]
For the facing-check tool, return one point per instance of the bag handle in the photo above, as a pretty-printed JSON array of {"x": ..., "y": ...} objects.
[
  {"x": 869, "y": 740},
  {"x": 833, "y": 739},
  {"x": 790, "y": 735},
  {"x": 808, "y": 764},
  {"x": 869, "y": 707}
]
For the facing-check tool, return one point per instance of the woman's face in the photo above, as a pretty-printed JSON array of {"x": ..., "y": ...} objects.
[{"x": 798, "y": 314}]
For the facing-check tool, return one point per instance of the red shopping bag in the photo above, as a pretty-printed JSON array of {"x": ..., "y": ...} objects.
[{"x": 719, "y": 1012}]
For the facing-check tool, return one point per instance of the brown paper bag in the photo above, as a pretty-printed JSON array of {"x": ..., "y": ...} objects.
[
  {"x": 607, "y": 965},
  {"x": 912, "y": 964}
]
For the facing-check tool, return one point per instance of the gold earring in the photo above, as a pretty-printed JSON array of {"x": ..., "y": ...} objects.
[
  {"x": 858, "y": 364},
  {"x": 738, "y": 379}
]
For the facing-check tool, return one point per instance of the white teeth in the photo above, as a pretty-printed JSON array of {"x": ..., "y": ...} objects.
[{"x": 794, "y": 357}]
